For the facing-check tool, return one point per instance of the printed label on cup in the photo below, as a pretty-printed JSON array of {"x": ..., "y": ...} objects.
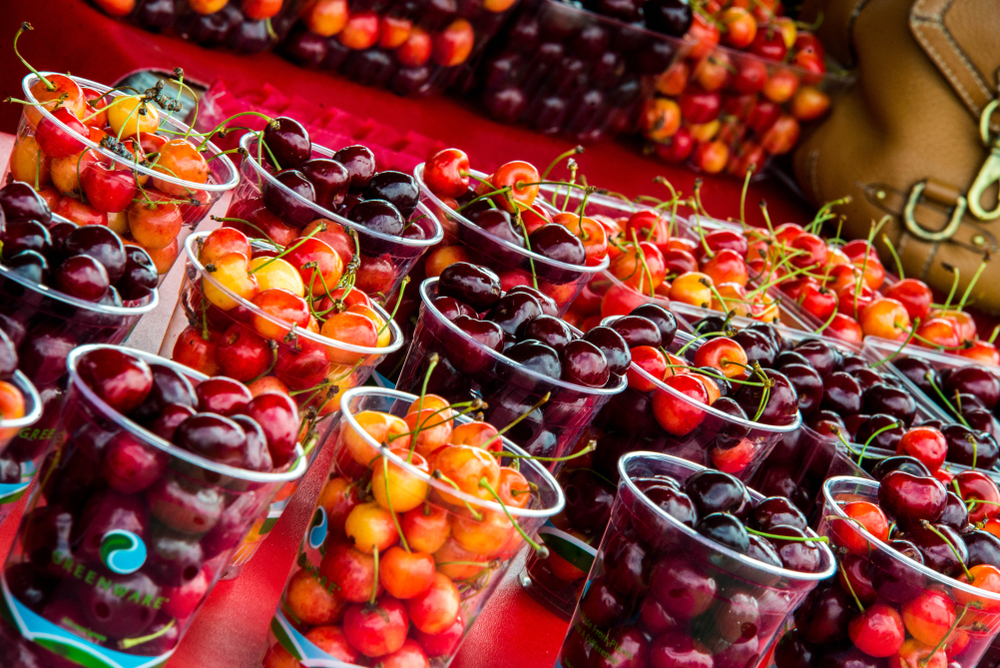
[
  {"x": 258, "y": 532},
  {"x": 300, "y": 647},
  {"x": 57, "y": 640},
  {"x": 569, "y": 547}
]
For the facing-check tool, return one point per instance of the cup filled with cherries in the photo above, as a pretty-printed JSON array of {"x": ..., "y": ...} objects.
[
  {"x": 535, "y": 374},
  {"x": 119, "y": 159},
  {"x": 424, "y": 508},
  {"x": 694, "y": 570},
  {"x": 918, "y": 581},
  {"x": 161, "y": 473},
  {"x": 20, "y": 408},
  {"x": 290, "y": 185},
  {"x": 498, "y": 221}
]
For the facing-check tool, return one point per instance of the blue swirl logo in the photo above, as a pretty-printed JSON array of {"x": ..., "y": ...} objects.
[
  {"x": 122, "y": 551},
  {"x": 318, "y": 529}
]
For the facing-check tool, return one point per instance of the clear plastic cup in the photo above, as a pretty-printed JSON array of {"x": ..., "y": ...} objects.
[
  {"x": 657, "y": 583},
  {"x": 385, "y": 259},
  {"x": 466, "y": 369},
  {"x": 15, "y": 478},
  {"x": 301, "y": 364},
  {"x": 910, "y": 589},
  {"x": 628, "y": 424},
  {"x": 160, "y": 230},
  {"x": 561, "y": 281},
  {"x": 101, "y": 577},
  {"x": 46, "y": 325},
  {"x": 311, "y": 608}
]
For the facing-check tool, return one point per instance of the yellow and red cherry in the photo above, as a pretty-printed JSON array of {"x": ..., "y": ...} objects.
[
  {"x": 653, "y": 362},
  {"x": 678, "y": 416},
  {"x": 436, "y": 609},
  {"x": 406, "y": 574},
  {"x": 108, "y": 189},
  {"x": 915, "y": 653},
  {"x": 280, "y": 310},
  {"x": 711, "y": 157},
  {"x": 914, "y": 295},
  {"x": 384, "y": 333},
  {"x": 11, "y": 402},
  {"x": 338, "y": 499},
  {"x": 275, "y": 273},
  {"x": 180, "y": 160},
  {"x": 56, "y": 142},
  {"x": 377, "y": 630},
  {"x": 393, "y": 31},
  {"x": 320, "y": 265},
  {"x": 416, "y": 50},
  {"x": 333, "y": 641},
  {"x": 878, "y": 631},
  {"x": 434, "y": 429},
  {"x": 641, "y": 268},
  {"x": 886, "y": 318},
  {"x": 352, "y": 328},
  {"x": 938, "y": 332},
  {"x": 444, "y": 257},
  {"x": 133, "y": 116},
  {"x": 487, "y": 536},
  {"x": 844, "y": 328},
  {"x": 368, "y": 526},
  {"x": 259, "y": 10},
  {"x": 965, "y": 324},
  {"x": 66, "y": 172},
  {"x": 361, "y": 31},
  {"x": 77, "y": 212},
  {"x": 465, "y": 466},
  {"x": 983, "y": 352},
  {"x": 740, "y": 27},
  {"x": 589, "y": 231},
  {"x": 724, "y": 354},
  {"x": 446, "y": 173},
  {"x": 154, "y": 221},
  {"x": 64, "y": 94},
  {"x": 352, "y": 571},
  {"x": 28, "y": 163},
  {"x": 694, "y": 288},
  {"x": 477, "y": 434},
  {"x": 399, "y": 490},
  {"x": 453, "y": 45},
  {"x": 929, "y": 616},
  {"x": 732, "y": 297},
  {"x": 522, "y": 179},
  {"x": 440, "y": 644},
  {"x": 334, "y": 236},
  {"x": 426, "y": 528},
  {"x": 864, "y": 514},
  {"x": 193, "y": 350},
  {"x": 987, "y": 578},
  {"x": 976, "y": 485},
  {"x": 926, "y": 444},
  {"x": 243, "y": 354},
  {"x": 457, "y": 563},
  {"x": 383, "y": 428},
  {"x": 513, "y": 489},
  {"x": 726, "y": 266},
  {"x": 312, "y": 602}
]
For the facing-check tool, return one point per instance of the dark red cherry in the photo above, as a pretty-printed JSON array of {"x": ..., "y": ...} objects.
[
  {"x": 918, "y": 371},
  {"x": 854, "y": 575},
  {"x": 121, "y": 380},
  {"x": 894, "y": 579},
  {"x": 820, "y": 355},
  {"x": 140, "y": 277},
  {"x": 32, "y": 265},
  {"x": 983, "y": 420},
  {"x": 943, "y": 549},
  {"x": 174, "y": 559},
  {"x": 763, "y": 550},
  {"x": 396, "y": 187},
  {"x": 584, "y": 363},
  {"x": 549, "y": 306},
  {"x": 782, "y": 404},
  {"x": 256, "y": 455},
  {"x": 983, "y": 547},
  {"x": 485, "y": 333},
  {"x": 912, "y": 499},
  {"x": 537, "y": 357},
  {"x": 637, "y": 331},
  {"x": 976, "y": 381},
  {"x": 718, "y": 492},
  {"x": 291, "y": 197},
  {"x": 774, "y": 511},
  {"x": 551, "y": 331},
  {"x": 842, "y": 393},
  {"x": 807, "y": 383},
  {"x": 803, "y": 556},
  {"x": 214, "y": 437},
  {"x": 612, "y": 344},
  {"x": 792, "y": 651},
  {"x": 678, "y": 649},
  {"x": 628, "y": 566},
  {"x": 222, "y": 395},
  {"x": 757, "y": 346},
  {"x": 377, "y": 215},
  {"x": 724, "y": 529},
  {"x": 672, "y": 501},
  {"x": 22, "y": 235},
  {"x": 683, "y": 588},
  {"x": 19, "y": 201},
  {"x": 866, "y": 378},
  {"x": 557, "y": 243},
  {"x": 589, "y": 499},
  {"x": 330, "y": 181},
  {"x": 100, "y": 243},
  {"x": 662, "y": 318},
  {"x": 451, "y": 308},
  {"x": 360, "y": 163},
  {"x": 470, "y": 284},
  {"x": 104, "y": 512},
  {"x": 602, "y": 604},
  {"x": 786, "y": 357},
  {"x": 823, "y": 617},
  {"x": 278, "y": 415},
  {"x": 654, "y": 619},
  {"x": 910, "y": 465},
  {"x": 626, "y": 647},
  {"x": 172, "y": 416},
  {"x": 83, "y": 277},
  {"x": 288, "y": 141},
  {"x": 888, "y": 429},
  {"x": 969, "y": 447},
  {"x": 130, "y": 466},
  {"x": 894, "y": 401},
  {"x": 113, "y": 615},
  {"x": 513, "y": 312},
  {"x": 955, "y": 514},
  {"x": 169, "y": 387}
]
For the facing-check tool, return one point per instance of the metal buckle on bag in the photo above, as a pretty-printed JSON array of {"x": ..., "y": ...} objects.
[
  {"x": 989, "y": 173},
  {"x": 914, "y": 227}
]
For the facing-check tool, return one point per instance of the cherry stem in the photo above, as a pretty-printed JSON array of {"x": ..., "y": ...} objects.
[
  {"x": 906, "y": 342},
  {"x": 538, "y": 404},
  {"x": 872, "y": 438},
  {"x": 743, "y": 195},
  {"x": 993, "y": 336},
  {"x": 895, "y": 256},
  {"x": 972, "y": 283},
  {"x": 929, "y": 377},
  {"x": 371, "y": 601},
  {"x": 641, "y": 256},
  {"x": 129, "y": 643},
  {"x": 824, "y": 214},
  {"x": 829, "y": 321},
  {"x": 794, "y": 539},
  {"x": 288, "y": 250},
  {"x": 937, "y": 532},
  {"x": 954, "y": 285},
  {"x": 26, "y": 27},
  {"x": 388, "y": 499},
  {"x": 576, "y": 150},
  {"x": 847, "y": 581},
  {"x": 440, "y": 476},
  {"x": 543, "y": 552},
  {"x": 703, "y": 335},
  {"x": 586, "y": 450},
  {"x": 954, "y": 625},
  {"x": 432, "y": 362}
]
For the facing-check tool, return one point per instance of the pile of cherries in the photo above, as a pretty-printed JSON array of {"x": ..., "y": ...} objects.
[
  {"x": 109, "y": 478},
  {"x": 89, "y": 188},
  {"x": 970, "y": 394},
  {"x": 566, "y": 70},
  {"x": 729, "y": 108},
  {"x": 880, "y": 606},
  {"x": 660, "y": 598},
  {"x": 401, "y": 554},
  {"x": 414, "y": 50},
  {"x": 348, "y": 184},
  {"x": 280, "y": 292}
]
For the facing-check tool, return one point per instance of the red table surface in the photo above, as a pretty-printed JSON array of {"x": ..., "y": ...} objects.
[{"x": 230, "y": 630}]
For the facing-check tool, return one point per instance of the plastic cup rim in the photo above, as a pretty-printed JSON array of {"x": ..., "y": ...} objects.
[
  {"x": 294, "y": 472},
  {"x": 348, "y": 414},
  {"x": 251, "y": 160},
  {"x": 425, "y": 297},
  {"x": 31, "y": 399},
  {"x": 418, "y": 174},
  {"x": 873, "y": 484},
  {"x": 397, "y": 335},
  {"x": 234, "y": 176},
  {"x": 691, "y": 533},
  {"x": 660, "y": 385}
]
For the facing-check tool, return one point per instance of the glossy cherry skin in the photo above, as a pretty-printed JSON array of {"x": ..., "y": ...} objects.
[
  {"x": 379, "y": 630},
  {"x": 807, "y": 383},
  {"x": 884, "y": 398},
  {"x": 793, "y": 652},
  {"x": 360, "y": 163},
  {"x": 451, "y": 308},
  {"x": 549, "y": 306},
  {"x": 289, "y": 199},
  {"x": 585, "y": 364},
  {"x": 602, "y": 604},
  {"x": 214, "y": 437},
  {"x": 969, "y": 447},
  {"x": 396, "y": 187},
  {"x": 84, "y": 277},
  {"x": 330, "y": 180},
  {"x": 120, "y": 379},
  {"x": 637, "y": 331},
  {"x": 23, "y": 235},
  {"x": 288, "y": 141},
  {"x": 169, "y": 387},
  {"x": 140, "y": 277},
  {"x": 973, "y": 485},
  {"x": 797, "y": 555},
  {"x": 880, "y": 431},
  {"x": 912, "y": 499},
  {"x": 557, "y": 243},
  {"x": 626, "y": 647},
  {"x": 724, "y": 529},
  {"x": 983, "y": 547},
  {"x": 554, "y": 332},
  {"x": 32, "y": 265},
  {"x": 672, "y": 501},
  {"x": 774, "y": 511},
  {"x": 100, "y": 243},
  {"x": 905, "y": 463},
  {"x": 683, "y": 589},
  {"x": 19, "y": 201},
  {"x": 823, "y": 617},
  {"x": 955, "y": 514},
  {"x": 470, "y": 284},
  {"x": 937, "y": 551},
  {"x": 222, "y": 395},
  {"x": 674, "y": 649},
  {"x": 718, "y": 492},
  {"x": 975, "y": 381},
  {"x": 378, "y": 215},
  {"x": 662, "y": 318},
  {"x": 782, "y": 403},
  {"x": 513, "y": 313},
  {"x": 537, "y": 357}
]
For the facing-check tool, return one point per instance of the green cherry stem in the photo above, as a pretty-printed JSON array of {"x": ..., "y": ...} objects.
[
  {"x": 371, "y": 601},
  {"x": 576, "y": 150},
  {"x": 538, "y": 404},
  {"x": 543, "y": 552},
  {"x": 937, "y": 532},
  {"x": 26, "y": 27},
  {"x": 587, "y": 449},
  {"x": 847, "y": 580},
  {"x": 388, "y": 499},
  {"x": 794, "y": 539}
]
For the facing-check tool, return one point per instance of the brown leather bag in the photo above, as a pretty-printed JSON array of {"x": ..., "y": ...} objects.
[{"x": 906, "y": 141}]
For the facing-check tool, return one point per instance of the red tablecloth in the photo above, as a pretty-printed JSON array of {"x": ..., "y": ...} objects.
[{"x": 230, "y": 630}]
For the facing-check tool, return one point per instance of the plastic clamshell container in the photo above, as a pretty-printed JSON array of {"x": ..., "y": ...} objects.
[
  {"x": 103, "y": 576},
  {"x": 46, "y": 325},
  {"x": 687, "y": 576},
  {"x": 561, "y": 281},
  {"x": 385, "y": 259},
  {"x": 186, "y": 205},
  {"x": 292, "y": 629},
  {"x": 466, "y": 369},
  {"x": 901, "y": 583},
  {"x": 566, "y": 70}
]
